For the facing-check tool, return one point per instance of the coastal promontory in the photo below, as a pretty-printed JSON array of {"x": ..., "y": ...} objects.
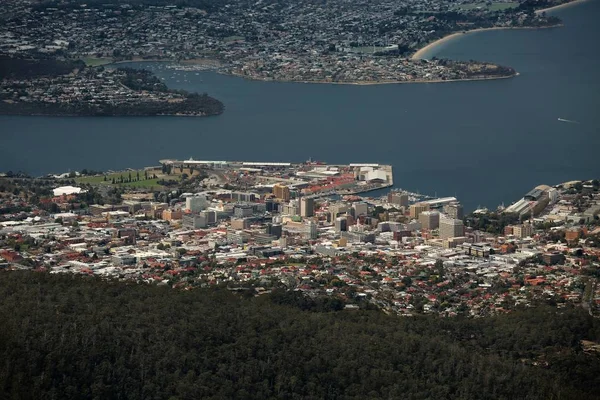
[{"x": 51, "y": 86}]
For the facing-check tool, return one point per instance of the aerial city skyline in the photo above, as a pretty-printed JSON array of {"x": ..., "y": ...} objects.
[{"x": 285, "y": 200}]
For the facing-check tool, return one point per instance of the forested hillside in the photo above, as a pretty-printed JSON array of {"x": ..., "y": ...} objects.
[
  {"x": 70, "y": 337},
  {"x": 28, "y": 68}
]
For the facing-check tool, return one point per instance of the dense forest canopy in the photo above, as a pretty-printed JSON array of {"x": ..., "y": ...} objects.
[
  {"x": 72, "y": 337},
  {"x": 12, "y": 67}
]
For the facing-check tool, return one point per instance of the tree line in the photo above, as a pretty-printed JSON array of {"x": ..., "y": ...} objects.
[{"x": 73, "y": 337}]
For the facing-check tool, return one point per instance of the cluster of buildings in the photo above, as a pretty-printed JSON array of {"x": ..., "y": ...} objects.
[
  {"x": 306, "y": 179},
  {"x": 404, "y": 254},
  {"x": 358, "y": 69},
  {"x": 86, "y": 91},
  {"x": 301, "y": 41}
]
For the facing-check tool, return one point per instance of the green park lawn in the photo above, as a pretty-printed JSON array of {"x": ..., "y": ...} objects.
[
  {"x": 99, "y": 179},
  {"x": 234, "y": 38},
  {"x": 490, "y": 6},
  {"x": 95, "y": 61},
  {"x": 367, "y": 49}
]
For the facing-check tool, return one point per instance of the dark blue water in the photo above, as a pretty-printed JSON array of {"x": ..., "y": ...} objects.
[{"x": 485, "y": 142}]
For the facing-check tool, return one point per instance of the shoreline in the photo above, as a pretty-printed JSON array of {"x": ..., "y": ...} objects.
[
  {"x": 419, "y": 54},
  {"x": 564, "y": 5},
  {"x": 191, "y": 61},
  {"x": 104, "y": 116},
  {"x": 370, "y": 83}
]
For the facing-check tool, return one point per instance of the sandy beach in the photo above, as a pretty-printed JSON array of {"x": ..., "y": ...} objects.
[
  {"x": 564, "y": 5},
  {"x": 421, "y": 52}
]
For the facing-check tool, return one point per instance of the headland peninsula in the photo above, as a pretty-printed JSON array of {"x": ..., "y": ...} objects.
[{"x": 70, "y": 88}]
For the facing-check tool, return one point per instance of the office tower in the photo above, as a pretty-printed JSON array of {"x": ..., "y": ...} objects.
[
  {"x": 307, "y": 207},
  {"x": 454, "y": 210},
  {"x": 282, "y": 192},
  {"x": 196, "y": 203},
  {"x": 398, "y": 199},
  {"x": 450, "y": 227},
  {"x": 194, "y": 221},
  {"x": 336, "y": 209},
  {"x": 341, "y": 224},
  {"x": 312, "y": 230},
  {"x": 243, "y": 210},
  {"x": 418, "y": 208},
  {"x": 359, "y": 208},
  {"x": 275, "y": 230},
  {"x": 429, "y": 219}
]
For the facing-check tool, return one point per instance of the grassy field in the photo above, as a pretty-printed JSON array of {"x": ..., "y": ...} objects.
[
  {"x": 233, "y": 38},
  {"x": 94, "y": 61},
  {"x": 367, "y": 49},
  {"x": 489, "y": 6},
  {"x": 142, "y": 183}
]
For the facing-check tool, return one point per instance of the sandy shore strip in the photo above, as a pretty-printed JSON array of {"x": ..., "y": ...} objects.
[
  {"x": 564, "y": 5},
  {"x": 420, "y": 54}
]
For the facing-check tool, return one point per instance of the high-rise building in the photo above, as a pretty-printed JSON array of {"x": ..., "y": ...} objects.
[
  {"x": 312, "y": 230},
  {"x": 359, "y": 208},
  {"x": 398, "y": 198},
  {"x": 337, "y": 209},
  {"x": 275, "y": 230},
  {"x": 291, "y": 208},
  {"x": 243, "y": 210},
  {"x": 307, "y": 207},
  {"x": 282, "y": 192},
  {"x": 418, "y": 208},
  {"x": 454, "y": 210},
  {"x": 429, "y": 219},
  {"x": 211, "y": 217},
  {"x": 170, "y": 214},
  {"x": 270, "y": 205},
  {"x": 341, "y": 224},
  {"x": 194, "y": 221},
  {"x": 450, "y": 227},
  {"x": 240, "y": 223},
  {"x": 195, "y": 203},
  {"x": 243, "y": 196}
]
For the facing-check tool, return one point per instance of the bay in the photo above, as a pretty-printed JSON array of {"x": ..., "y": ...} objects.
[{"x": 485, "y": 142}]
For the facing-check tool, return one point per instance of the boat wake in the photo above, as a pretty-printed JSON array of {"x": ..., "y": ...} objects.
[{"x": 568, "y": 121}]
